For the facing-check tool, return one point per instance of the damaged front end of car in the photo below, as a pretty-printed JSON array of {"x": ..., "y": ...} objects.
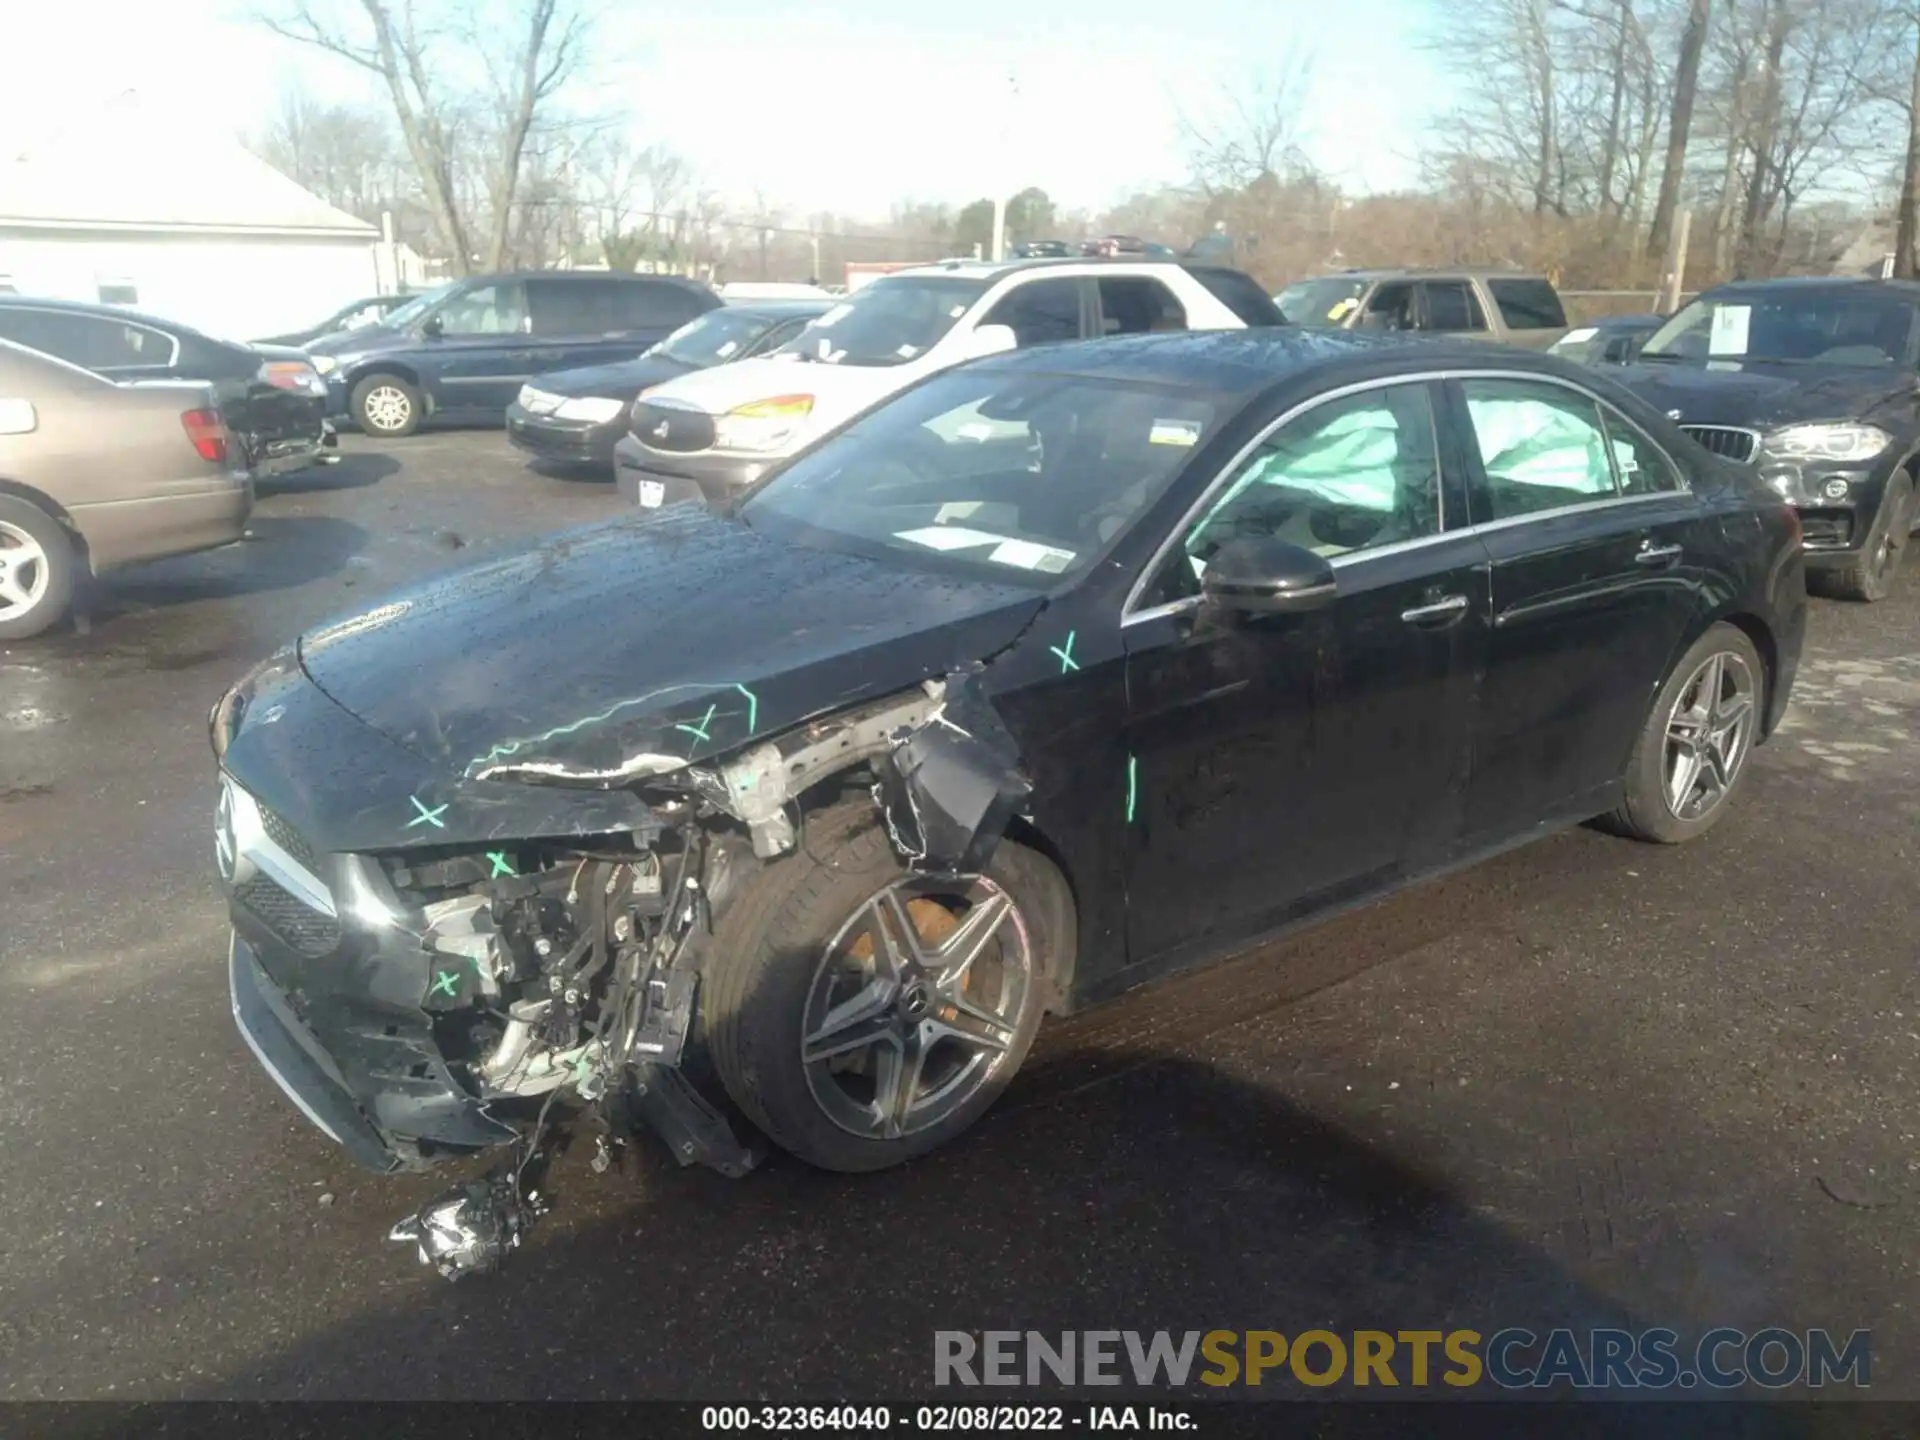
[{"x": 433, "y": 964}]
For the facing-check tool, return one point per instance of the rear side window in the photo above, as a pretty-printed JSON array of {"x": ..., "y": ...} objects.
[
  {"x": 654, "y": 305},
  {"x": 1528, "y": 304},
  {"x": 1452, "y": 307},
  {"x": 1240, "y": 294},
  {"x": 1641, "y": 468},
  {"x": 93, "y": 341},
  {"x": 1040, "y": 312},
  {"x": 1134, "y": 304},
  {"x": 1542, "y": 447}
]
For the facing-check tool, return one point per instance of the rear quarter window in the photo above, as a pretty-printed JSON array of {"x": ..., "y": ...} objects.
[
  {"x": 1240, "y": 294},
  {"x": 1528, "y": 304}
]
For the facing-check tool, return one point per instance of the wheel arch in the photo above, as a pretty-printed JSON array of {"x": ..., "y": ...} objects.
[
  {"x": 40, "y": 500},
  {"x": 399, "y": 369},
  {"x": 1761, "y": 634}
]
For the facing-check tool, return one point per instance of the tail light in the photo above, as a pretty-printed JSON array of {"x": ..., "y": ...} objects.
[
  {"x": 208, "y": 432},
  {"x": 295, "y": 375}
]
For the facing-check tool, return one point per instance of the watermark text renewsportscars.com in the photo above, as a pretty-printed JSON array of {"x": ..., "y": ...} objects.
[{"x": 1512, "y": 1358}]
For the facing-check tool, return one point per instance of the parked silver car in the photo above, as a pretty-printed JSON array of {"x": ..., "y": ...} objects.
[{"x": 95, "y": 475}]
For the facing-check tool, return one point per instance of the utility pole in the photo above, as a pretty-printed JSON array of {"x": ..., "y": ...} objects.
[
  {"x": 999, "y": 251},
  {"x": 1674, "y": 277}
]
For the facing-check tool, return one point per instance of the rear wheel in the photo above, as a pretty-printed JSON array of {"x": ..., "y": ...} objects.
[
  {"x": 1870, "y": 574},
  {"x": 1692, "y": 753},
  {"x": 387, "y": 406},
  {"x": 36, "y": 569},
  {"x": 861, "y": 1014}
]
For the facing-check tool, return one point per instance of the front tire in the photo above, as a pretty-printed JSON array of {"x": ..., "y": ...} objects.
[
  {"x": 1693, "y": 750},
  {"x": 37, "y": 565},
  {"x": 388, "y": 407},
  {"x": 1869, "y": 575},
  {"x": 861, "y": 1015}
]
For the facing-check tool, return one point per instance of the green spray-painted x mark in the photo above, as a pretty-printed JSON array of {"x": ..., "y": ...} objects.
[
  {"x": 699, "y": 731},
  {"x": 753, "y": 707},
  {"x": 500, "y": 865},
  {"x": 445, "y": 982},
  {"x": 1065, "y": 652},
  {"x": 426, "y": 816}
]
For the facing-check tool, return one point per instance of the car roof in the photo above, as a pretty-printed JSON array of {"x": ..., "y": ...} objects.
[
  {"x": 994, "y": 269},
  {"x": 109, "y": 312},
  {"x": 623, "y": 276},
  {"x": 782, "y": 309},
  {"x": 1430, "y": 272},
  {"x": 1246, "y": 362},
  {"x": 1906, "y": 291}
]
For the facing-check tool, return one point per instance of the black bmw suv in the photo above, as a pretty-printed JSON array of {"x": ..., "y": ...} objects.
[{"x": 1815, "y": 384}]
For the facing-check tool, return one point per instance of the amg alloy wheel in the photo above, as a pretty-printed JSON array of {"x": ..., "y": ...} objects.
[
  {"x": 1709, "y": 731},
  {"x": 860, "y": 1014},
  {"x": 915, "y": 1005},
  {"x": 1693, "y": 748}
]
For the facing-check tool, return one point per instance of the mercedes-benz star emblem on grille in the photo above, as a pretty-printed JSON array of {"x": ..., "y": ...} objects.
[
  {"x": 223, "y": 848},
  {"x": 659, "y": 432}
]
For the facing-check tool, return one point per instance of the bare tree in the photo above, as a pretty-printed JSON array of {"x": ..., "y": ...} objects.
[
  {"x": 451, "y": 77},
  {"x": 345, "y": 154},
  {"x": 1251, "y": 130},
  {"x": 1686, "y": 80}
]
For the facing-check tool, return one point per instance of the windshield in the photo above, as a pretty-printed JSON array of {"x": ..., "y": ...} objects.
[
  {"x": 1828, "y": 327},
  {"x": 1320, "y": 302},
  {"x": 415, "y": 309},
  {"x": 715, "y": 337},
  {"x": 888, "y": 322},
  {"x": 1012, "y": 475}
]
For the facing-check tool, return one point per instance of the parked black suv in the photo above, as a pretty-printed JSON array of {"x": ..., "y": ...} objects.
[
  {"x": 1814, "y": 383},
  {"x": 465, "y": 349}
]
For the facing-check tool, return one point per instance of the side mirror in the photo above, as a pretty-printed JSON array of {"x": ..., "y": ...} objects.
[
  {"x": 1268, "y": 577},
  {"x": 991, "y": 340},
  {"x": 431, "y": 327}
]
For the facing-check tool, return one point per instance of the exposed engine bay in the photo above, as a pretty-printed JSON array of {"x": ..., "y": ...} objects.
[{"x": 568, "y": 973}]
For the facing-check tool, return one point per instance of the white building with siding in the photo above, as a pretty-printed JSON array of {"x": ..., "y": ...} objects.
[{"x": 125, "y": 207}]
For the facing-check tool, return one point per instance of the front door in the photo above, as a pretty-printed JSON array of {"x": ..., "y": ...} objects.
[
  {"x": 1595, "y": 551},
  {"x": 483, "y": 351},
  {"x": 1279, "y": 762}
]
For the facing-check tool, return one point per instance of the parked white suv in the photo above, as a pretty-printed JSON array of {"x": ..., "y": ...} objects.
[{"x": 713, "y": 431}]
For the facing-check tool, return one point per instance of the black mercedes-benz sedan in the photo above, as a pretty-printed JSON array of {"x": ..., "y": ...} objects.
[
  {"x": 1815, "y": 384},
  {"x": 577, "y": 416},
  {"x": 1055, "y": 673}
]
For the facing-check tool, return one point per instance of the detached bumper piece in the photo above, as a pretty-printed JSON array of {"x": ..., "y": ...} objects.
[{"x": 469, "y": 1231}]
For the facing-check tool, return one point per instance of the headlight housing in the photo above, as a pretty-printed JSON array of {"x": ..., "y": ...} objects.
[
  {"x": 325, "y": 364},
  {"x": 597, "y": 409},
  {"x": 1835, "y": 441},
  {"x": 762, "y": 425}
]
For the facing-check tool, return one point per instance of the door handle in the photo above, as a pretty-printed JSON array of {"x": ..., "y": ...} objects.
[
  {"x": 1651, "y": 554},
  {"x": 1451, "y": 608}
]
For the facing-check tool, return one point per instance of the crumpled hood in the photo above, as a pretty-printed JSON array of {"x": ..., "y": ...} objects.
[
  {"x": 633, "y": 647},
  {"x": 1761, "y": 396},
  {"x": 838, "y": 390},
  {"x": 621, "y": 380}
]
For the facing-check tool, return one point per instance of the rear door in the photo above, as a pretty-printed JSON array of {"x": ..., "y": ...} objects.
[
  {"x": 1279, "y": 762},
  {"x": 1450, "y": 307},
  {"x": 1530, "y": 309},
  {"x": 1598, "y": 556}
]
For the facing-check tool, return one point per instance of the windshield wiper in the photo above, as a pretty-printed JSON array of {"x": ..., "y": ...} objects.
[{"x": 1660, "y": 357}]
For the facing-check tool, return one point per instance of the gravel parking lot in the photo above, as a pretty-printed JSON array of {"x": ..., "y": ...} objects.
[{"x": 1590, "y": 1082}]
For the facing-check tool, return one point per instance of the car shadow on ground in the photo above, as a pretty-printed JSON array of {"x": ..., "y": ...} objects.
[
  {"x": 351, "y": 471},
  {"x": 573, "y": 472},
  {"x": 1172, "y": 1197}
]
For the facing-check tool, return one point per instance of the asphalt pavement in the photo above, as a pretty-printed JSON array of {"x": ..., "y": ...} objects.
[{"x": 1590, "y": 1082}]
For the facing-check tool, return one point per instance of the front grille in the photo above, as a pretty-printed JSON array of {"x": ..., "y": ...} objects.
[
  {"x": 1826, "y": 529},
  {"x": 307, "y": 931},
  {"x": 1728, "y": 440},
  {"x": 287, "y": 838},
  {"x": 671, "y": 428}
]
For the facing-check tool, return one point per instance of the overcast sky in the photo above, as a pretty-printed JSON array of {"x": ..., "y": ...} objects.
[{"x": 842, "y": 107}]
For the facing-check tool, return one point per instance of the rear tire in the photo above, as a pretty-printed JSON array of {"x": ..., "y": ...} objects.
[
  {"x": 1869, "y": 576},
  {"x": 387, "y": 407},
  {"x": 37, "y": 567},
  {"x": 1692, "y": 753},
  {"x": 798, "y": 969}
]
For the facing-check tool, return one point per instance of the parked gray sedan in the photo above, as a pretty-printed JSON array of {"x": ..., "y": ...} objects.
[{"x": 96, "y": 475}]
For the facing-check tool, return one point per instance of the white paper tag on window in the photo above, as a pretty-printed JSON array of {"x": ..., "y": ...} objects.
[
  {"x": 652, "y": 494},
  {"x": 1173, "y": 432},
  {"x": 1029, "y": 555},
  {"x": 1729, "y": 336}
]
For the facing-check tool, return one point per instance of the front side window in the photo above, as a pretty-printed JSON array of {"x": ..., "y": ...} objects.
[
  {"x": 889, "y": 321},
  {"x": 1350, "y": 475},
  {"x": 1041, "y": 312},
  {"x": 413, "y": 311},
  {"x": 1135, "y": 305},
  {"x": 496, "y": 309},
  {"x": 1010, "y": 475},
  {"x": 1789, "y": 326},
  {"x": 1391, "y": 307},
  {"x": 1452, "y": 307},
  {"x": 1541, "y": 447}
]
